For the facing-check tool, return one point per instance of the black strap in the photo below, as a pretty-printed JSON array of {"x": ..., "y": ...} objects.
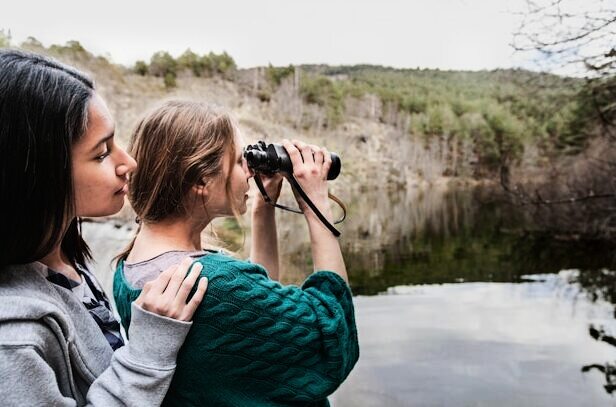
[{"x": 295, "y": 185}]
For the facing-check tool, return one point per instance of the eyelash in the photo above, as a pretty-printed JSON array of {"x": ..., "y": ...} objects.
[{"x": 104, "y": 155}]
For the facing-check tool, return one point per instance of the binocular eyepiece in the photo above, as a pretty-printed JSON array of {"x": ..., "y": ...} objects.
[{"x": 272, "y": 158}]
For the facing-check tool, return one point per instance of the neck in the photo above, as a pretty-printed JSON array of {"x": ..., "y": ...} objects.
[
  {"x": 170, "y": 234},
  {"x": 58, "y": 262}
]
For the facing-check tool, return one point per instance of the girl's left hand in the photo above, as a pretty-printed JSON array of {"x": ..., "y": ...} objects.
[{"x": 168, "y": 295}]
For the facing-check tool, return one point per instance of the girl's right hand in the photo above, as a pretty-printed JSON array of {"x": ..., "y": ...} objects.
[
  {"x": 167, "y": 295},
  {"x": 310, "y": 167}
]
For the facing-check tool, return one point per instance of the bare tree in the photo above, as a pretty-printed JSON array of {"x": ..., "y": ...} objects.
[
  {"x": 576, "y": 196},
  {"x": 565, "y": 33}
]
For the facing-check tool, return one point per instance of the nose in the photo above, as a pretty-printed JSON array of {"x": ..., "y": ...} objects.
[{"x": 127, "y": 164}]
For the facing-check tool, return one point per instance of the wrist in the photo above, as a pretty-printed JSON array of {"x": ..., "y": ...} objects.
[
  {"x": 261, "y": 207},
  {"x": 322, "y": 206},
  {"x": 314, "y": 223}
]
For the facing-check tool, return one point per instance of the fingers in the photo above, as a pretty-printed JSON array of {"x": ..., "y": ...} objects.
[
  {"x": 161, "y": 282},
  {"x": 294, "y": 154},
  {"x": 308, "y": 158},
  {"x": 167, "y": 294},
  {"x": 318, "y": 153},
  {"x": 186, "y": 285},
  {"x": 306, "y": 150},
  {"x": 308, "y": 153},
  {"x": 193, "y": 304},
  {"x": 178, "y": 278},
  {"x": 327, "y": 162}
]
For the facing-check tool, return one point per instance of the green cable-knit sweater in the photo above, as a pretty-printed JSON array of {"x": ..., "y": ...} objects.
[{"x": 255, "y": 342}]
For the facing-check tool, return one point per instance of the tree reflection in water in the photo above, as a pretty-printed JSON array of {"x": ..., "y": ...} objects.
[
  {"x": 448, "y": 235},
  {"x": 601, "y": 284},
  {"x": 463, "y": 235}
]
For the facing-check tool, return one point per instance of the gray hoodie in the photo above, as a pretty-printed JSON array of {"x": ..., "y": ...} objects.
[{"x": 53, "y": 353}]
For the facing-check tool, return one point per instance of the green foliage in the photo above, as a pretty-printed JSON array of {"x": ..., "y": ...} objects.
[
  {"x": 140, "y": 68},
  {"x": 325, "y": 93},
  {"x": 507, "y": 133},
  {"x": 31, "y": 43},
  {"x": 474, "y": 126},
  {"x": 276, "y": 75},
  {"x": 207, "y": 65},
  {"x": 169, "y": 80},
  {"x": 218, "y": 64},
  {"x": 71, "y": 48},
  {"x": 594, "y": 109},
  {"x": 161, "y": 64},
  {"x": 441, "y": 120},
  {"x": 5, "y": 39},
  {"x": 499, "y": 111},
  {"x": 414, "y": 104},
  {"x": 191, "y": 61}
]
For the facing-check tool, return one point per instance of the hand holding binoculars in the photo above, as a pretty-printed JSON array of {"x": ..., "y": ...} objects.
[{"x": 272, "y": 158}]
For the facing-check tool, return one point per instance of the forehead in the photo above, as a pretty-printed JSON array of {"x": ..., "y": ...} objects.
[
  {"x": 99, "y": 116},
  {"x": 100, "y": 123},
  {"x": 238, "y": 141}
]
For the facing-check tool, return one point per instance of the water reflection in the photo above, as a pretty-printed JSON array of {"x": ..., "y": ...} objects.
[
  {"x": 442, "y": 235},
  {"x": 484, "y": 344},
  {"x": 601, "y": 285}
]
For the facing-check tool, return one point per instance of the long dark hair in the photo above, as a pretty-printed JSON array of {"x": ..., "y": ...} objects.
[{"x": 43, "y": 111}]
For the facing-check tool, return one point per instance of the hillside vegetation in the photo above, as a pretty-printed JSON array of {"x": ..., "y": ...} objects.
[{"x": 392, "y": 126}]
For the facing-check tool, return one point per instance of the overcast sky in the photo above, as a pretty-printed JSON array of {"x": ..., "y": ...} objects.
[{"x": 445, "y": 34}]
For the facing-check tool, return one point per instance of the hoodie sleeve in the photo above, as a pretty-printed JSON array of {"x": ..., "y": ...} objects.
[{"x": 139, "y": 373}]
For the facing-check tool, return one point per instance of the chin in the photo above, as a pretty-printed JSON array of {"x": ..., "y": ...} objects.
[{"x": 106, "y": 211}]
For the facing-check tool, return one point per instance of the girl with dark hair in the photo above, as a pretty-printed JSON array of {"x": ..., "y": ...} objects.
[
  {"x": 59, "y": 162},
  {"x": 254, "y": 342}
]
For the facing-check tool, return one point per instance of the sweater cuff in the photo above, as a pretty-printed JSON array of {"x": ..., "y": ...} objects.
[{"x": 155, "y": 339}]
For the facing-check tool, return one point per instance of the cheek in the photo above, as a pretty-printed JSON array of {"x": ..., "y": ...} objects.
[{"x": 94, "y": 191}]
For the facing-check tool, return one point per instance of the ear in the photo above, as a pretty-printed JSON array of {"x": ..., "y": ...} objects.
[{"x": 200, "y": 189}]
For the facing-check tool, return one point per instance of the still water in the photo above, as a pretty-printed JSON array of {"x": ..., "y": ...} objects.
[
  {"x": 460, "y": 301},
  {"x": 480, "y": 344}
]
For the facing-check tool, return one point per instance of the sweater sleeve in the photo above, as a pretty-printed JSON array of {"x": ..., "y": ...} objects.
[
  {"x": 295, "y": 344},
  {"x": 139, "y": 373}
]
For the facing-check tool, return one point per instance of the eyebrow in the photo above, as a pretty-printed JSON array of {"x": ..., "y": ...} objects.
[{"x": 103, "y": 140}]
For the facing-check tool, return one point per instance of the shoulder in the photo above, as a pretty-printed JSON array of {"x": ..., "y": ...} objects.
[
  {"x": 220, "y": 263},
  {"x": 33, "y": 334}
]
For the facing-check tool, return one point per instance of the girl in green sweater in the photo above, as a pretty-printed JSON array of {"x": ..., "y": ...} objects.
[{"x": 254, "y": 342}]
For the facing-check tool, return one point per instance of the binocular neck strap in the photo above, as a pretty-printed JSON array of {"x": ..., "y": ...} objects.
[{"x": 295, "y": 185}]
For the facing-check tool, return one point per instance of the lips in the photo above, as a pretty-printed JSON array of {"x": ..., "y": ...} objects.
[{"x": 122, "y": 190}]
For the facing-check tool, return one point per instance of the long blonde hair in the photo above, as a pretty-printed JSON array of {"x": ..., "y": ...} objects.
[{"x": 177, "y": 145}]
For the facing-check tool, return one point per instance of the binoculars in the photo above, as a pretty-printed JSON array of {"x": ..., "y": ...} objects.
[{"x": 273, "y": 158}]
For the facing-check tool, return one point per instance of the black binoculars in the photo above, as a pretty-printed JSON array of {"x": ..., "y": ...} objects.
[{"x": 272, "y": 158}]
